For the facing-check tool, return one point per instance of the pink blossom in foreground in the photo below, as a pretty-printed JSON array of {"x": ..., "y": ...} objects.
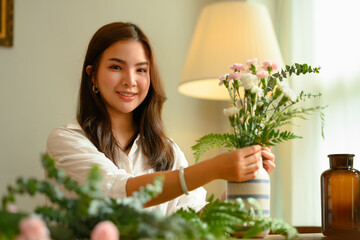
[
  {"x": 237, "y": 67},
  {"x": 33, "y": 228},
  {"x": 262, "y": 74},
  {"x": 105, "y": 230}
]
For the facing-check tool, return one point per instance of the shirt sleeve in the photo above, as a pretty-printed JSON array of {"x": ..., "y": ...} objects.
[
  {"x": 196, "y": 198},
  {"x": 76, "y": 155}
]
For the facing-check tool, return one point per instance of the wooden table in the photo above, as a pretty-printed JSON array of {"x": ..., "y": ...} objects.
[{"x": 307, "y": 236}]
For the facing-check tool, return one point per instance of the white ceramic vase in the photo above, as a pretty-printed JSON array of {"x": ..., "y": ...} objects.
[{"x": 258, "y": 188}]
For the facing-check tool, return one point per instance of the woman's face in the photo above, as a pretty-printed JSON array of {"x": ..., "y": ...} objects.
[{"x": 123, "y": 77}]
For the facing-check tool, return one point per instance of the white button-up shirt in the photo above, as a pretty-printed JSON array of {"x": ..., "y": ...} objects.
[{"x": 76, "y": 154}]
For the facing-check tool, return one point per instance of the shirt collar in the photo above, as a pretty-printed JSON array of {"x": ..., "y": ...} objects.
[{"x": 74, "y": 124}]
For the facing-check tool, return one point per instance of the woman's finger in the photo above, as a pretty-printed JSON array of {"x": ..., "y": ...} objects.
[
  {"x": 269, "y": 166},
  {"x": 248, "y": 151},
  {"x": 250, "y": 175},
  {"x": 267, "y": 155},
  {"x": 266, "y": 149}
]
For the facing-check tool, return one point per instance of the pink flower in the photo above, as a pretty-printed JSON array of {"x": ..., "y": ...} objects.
[
  {"x": 234, "y": 76},
  {"x": 237, "y": 67},
  {"x": 33, "y": 228},
  {"x": 275, "y": 66},
  {"x": 222, "y": 78},
  {"x": 262, "y": 74},
  {"x": 11, "y": 208},
  {"x": 251, "y": 61},
  {"x": 105, "y": 230},
  {"x": 266, "y": 64}
]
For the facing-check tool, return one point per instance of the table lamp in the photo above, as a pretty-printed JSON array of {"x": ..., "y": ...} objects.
[{"x": 226, "y": 33}]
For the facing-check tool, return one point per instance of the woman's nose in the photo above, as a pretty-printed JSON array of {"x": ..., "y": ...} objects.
[{"x": 129, "y": 79}]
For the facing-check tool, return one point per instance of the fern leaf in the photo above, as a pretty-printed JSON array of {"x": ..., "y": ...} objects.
[
  {"x": 210, "y": 141},
  {"x": 281, "y": 137}
]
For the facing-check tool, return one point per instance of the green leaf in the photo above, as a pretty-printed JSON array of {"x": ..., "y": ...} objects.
[
  {"x": 9, "y": 223},
  {"x": 258, "y": 227},
  {"x": 211, "y": 141},
  {"x": 60, "y": 232}
]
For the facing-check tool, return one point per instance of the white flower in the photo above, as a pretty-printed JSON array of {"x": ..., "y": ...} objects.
[
  {"x": 249, "y": 80},
  {"x": 257, "y": 90},
  {"x": 228, "y": 112},
  {"x": 287, "y": 91}
]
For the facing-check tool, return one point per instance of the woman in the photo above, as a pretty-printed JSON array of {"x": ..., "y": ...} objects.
[{"x": 119, "y": 128}]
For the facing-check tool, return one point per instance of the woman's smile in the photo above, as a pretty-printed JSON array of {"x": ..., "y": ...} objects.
[{"x": 128, "y": 96}]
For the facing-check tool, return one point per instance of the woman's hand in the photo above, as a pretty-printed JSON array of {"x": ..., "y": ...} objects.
[
  {"x": 239, "y": 165},
  {"x": 268, "y": 159}
]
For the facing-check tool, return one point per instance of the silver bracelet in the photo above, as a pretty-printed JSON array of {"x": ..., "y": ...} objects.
[{"x": 182, "y": 180}]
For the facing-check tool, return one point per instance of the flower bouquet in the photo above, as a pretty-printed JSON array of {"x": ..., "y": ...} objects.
[{"x": 262, "y": 102}]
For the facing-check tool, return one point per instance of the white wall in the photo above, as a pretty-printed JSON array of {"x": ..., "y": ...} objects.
[{"x": 40, "y": 74}]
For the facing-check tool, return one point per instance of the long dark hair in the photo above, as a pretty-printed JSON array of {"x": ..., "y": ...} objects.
[{"x": 93, "y": 116}]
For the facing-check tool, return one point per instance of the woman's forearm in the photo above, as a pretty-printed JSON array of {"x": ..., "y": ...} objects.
[
  {"x": 195, "y": 176},
  {"x": 238, "y": 165}
]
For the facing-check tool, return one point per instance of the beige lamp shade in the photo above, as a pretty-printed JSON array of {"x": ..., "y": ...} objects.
[{"x": 226, "y": 33}]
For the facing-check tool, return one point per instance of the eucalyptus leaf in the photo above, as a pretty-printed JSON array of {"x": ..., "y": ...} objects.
[{"x": 74, "y": 218}]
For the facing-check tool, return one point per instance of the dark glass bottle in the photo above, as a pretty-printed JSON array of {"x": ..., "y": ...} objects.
[{"x": 340, "y": 195}]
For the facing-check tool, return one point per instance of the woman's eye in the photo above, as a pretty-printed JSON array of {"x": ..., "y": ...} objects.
[
  {"x": 116, "y": 67},
  {"x": 142, "y": 70}
]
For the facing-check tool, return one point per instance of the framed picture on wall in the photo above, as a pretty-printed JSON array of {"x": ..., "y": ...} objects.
[{"x": 6, "y": 22}]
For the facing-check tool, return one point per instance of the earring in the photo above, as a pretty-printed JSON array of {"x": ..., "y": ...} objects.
[{"x": 95, "y": 89}]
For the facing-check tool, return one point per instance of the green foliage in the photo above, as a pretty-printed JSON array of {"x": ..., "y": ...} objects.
[
  {"x": 262, "y": 110},
  {"x": 220, "y": 219},
  {"x": 7, "y": 223},
  {"x": 74, "y": 218}
]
